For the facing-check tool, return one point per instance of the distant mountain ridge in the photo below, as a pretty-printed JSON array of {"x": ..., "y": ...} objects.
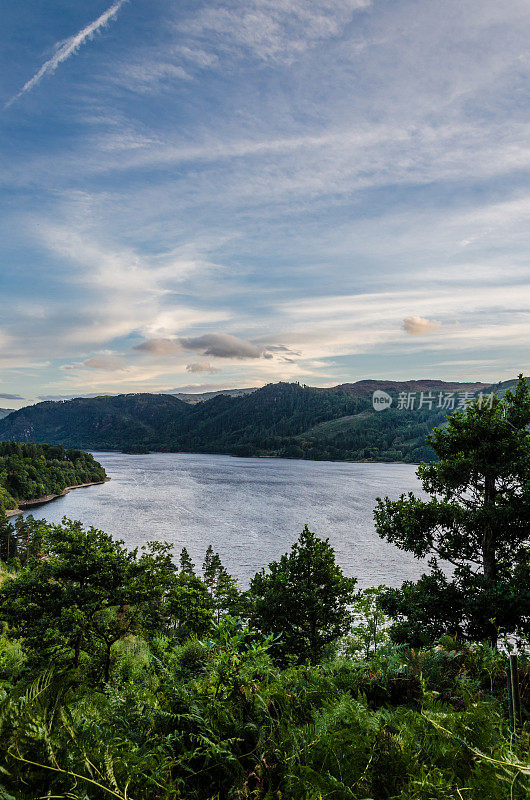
[
  {"x": 283, "y": 419},
  {"x": 367, "y": 387},
  {"x": 200, "y": 397},
  {"x": 361, "y": 388},
  {"x": 5, "y": 411}
]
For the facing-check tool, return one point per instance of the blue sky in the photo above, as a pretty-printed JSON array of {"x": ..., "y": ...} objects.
[{"x": 213, "y": 194}]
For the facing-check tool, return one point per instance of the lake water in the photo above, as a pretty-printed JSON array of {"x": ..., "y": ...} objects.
[{"x": 250, "y": 509}]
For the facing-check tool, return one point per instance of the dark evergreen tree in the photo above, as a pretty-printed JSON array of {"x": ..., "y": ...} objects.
[
  {"x": 225, "y": 595},
  {"x": 477, "y": 519},
  {"x": 189, "y": 607},
  {"x": 186, "y": 564},
  {"x": 211, "y": 569}
]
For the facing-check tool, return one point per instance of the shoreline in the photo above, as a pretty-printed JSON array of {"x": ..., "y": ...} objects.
[{"x": 24, "y": 505}]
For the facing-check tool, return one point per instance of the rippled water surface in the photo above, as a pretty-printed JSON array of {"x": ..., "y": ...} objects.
[{"x": 250, "y": 509}]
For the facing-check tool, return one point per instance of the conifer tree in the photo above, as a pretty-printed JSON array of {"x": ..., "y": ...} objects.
[
  {"x": 210, "y": 569},
  {"x": 186, "y": 564},
  {"x": 477, "y": 520}
]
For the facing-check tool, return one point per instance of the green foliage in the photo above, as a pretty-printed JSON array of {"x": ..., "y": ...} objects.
[
  {"x": 477, "y": 519},
  {"x": 29, "y": 471},
  {"x": 220, "y": 720},
  {"x": 73, "y": 597},
  {"x": 12, "y": 657},
  {"x": 81, "y": 592},
  {"x": 125, "y": 421},
  {"x": 167, "y": 702},
  {"x": 303, "y": 599},
  {"x": 189, "y": 607},
  {"x": 9, "y": 544},
  {"x": 282, "y": 419}
]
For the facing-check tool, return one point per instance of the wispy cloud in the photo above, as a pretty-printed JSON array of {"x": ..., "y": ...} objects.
[
  {"x": 272, "y": 30},
  {"x": 201, "y": 366},
  {"x": 158, "y": 347},
  {"x": 145, "y": 77},
  {"x": 288, "y": 176},
  {"x": 106, "y": 363},
  {"x": 67, "y": 48}
]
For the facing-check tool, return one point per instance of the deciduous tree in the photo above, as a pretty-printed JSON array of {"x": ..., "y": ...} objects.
[{"x": 303, "y": 598}]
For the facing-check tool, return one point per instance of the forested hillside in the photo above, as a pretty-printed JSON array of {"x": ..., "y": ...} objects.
[
  {"x": 283, "y": 419},
  {"x": 95, "y": 423},
  {"x": 29, "y": 471}
]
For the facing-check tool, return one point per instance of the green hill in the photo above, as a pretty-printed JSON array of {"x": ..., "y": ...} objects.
[
  {"x": 282, "y": 419},
  {"x": 95, "y": 423}
]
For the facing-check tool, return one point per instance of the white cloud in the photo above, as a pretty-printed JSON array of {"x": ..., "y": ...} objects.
[
  {"x": 196, "y": 55},
  {"x": 104, "y": 363},
  {"x": 120, "y": 290},
  {"x": 308, "y": 200},
  {"x": 367, "y": 323},
  {"x": 144, "y": 77},
  {"x": 272, "y": 30},
  {"x": 201, "y": 366},
  {"x": 67, "y": 48},
  {"x": 416, "y": 326},
  {"x": 159, "y": 347}
]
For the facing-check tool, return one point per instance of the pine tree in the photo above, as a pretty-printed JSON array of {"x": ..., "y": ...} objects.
[
  {"x": 186, "y": 564},
  {"x": 477, "y": 519},
  {"x": 210, "y": 568},
  {"x": 221, "y": 586}
]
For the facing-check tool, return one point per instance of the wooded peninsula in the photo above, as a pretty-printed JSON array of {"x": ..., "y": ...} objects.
[{"x": 31, "y": 471}]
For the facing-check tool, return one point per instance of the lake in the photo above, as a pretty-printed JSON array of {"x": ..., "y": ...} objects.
[{"x": 250, "y": 509}]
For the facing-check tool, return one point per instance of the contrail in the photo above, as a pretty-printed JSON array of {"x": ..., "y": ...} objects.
[{"x": 67, "y": 47}]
